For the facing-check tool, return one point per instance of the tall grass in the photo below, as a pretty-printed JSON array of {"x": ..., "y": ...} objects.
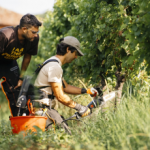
[{"x": 128, "y": 127}]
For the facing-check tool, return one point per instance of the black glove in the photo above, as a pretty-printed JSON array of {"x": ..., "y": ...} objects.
[{"x": 82, "y": 110}]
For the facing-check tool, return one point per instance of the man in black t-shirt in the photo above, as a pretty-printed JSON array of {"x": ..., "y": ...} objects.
[{"x": 15, "y": 42}]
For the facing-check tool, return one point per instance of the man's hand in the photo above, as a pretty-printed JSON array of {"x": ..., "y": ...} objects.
[
  {"x": 19, "y": 84},
  {"x": 82, "y": 110},
  {"x": 25, "y": 63},
  {"x": 93, "y": 92},
  {"x": 86, "y": 113}
]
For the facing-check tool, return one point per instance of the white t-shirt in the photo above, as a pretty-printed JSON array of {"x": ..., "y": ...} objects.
[{"x": 51, "y": 72}]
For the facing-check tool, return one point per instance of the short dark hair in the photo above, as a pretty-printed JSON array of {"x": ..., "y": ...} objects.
[
  {"x": 29, "y": 20},
  {"x": 62, "y": 48}
]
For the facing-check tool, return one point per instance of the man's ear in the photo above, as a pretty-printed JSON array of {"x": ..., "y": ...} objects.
[
  {"x": 24, "y": 29},
  {"x": 68, "y": 49}
]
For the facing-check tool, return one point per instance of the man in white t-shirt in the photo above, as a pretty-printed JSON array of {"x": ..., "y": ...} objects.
[{"x": 51, "y": 79}]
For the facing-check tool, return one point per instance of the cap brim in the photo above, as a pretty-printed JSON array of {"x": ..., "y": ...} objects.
[{"x": 80, "y": 53}]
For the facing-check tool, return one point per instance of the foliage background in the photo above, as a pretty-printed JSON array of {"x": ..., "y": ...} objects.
[{"x": 113, "y": 34}]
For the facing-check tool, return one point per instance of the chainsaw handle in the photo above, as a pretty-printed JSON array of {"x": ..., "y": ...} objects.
[{"x": 78, "y": 116}]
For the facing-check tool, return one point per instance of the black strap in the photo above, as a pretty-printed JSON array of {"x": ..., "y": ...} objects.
[
  {"x": 51, "y": 96},
  {"x": 39, "y": 66},
  {"x": 49, "y": 125},
  {"x": 63, "y": 84},
  {"x": 42, "y": 87}
]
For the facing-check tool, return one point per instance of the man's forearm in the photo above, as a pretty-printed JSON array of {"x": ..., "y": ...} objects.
[
  {"x": 66, "y": 100},
  {"x": 72, "y": 90},
  {"x": 61, "y": 96},
  {"x": 25, "y": 64}
]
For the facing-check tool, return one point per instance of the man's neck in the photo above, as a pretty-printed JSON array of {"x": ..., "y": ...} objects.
[
  {"x": 20, "y": 37},
  {"x": 61, "y": 58}
]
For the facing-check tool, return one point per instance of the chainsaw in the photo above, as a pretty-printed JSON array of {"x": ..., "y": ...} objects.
[{"x": 95, "y": 103}]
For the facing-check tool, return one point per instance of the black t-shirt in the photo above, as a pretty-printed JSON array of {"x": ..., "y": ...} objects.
[{"x": 11, "y": 48}]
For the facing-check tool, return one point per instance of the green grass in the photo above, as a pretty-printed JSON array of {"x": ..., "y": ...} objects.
[
  {"x": 4, "y": 109},
  {"x": 126, "y": 128}
]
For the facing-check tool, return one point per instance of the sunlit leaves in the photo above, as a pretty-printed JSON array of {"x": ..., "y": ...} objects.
[{"x": 105, "y": 28}]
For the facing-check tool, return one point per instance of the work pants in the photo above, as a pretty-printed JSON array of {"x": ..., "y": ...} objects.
[
  {"x": 53, "y": 118},
  {"x": 9, "y": 72}
]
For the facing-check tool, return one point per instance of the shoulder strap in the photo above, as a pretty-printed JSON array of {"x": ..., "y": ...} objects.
[{"x": 39, "y": 66}]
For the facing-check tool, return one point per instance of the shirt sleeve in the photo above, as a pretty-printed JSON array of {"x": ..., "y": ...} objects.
[
  {"x": 55, "y": 74},
  {"x": 3, "y": 42},
  {"x": 34, "y": 48}
]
